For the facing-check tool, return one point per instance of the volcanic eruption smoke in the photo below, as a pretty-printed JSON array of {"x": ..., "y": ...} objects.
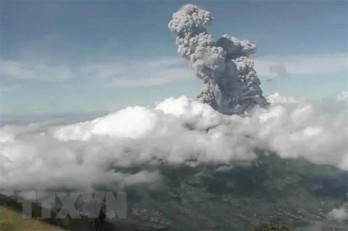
[{"x": 231, "y": 85}]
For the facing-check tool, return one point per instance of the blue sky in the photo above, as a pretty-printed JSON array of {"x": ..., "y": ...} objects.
[{"x": 85, "y": 56}]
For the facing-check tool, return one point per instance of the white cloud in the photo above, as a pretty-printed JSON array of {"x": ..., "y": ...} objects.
[
  {"x": 176, "y": 131},
  {"x": 342, "y": 96},
  {"x": 135, "y": 73},
  {"x": 159, "y": 71},
  {"x": 138, "y": 73},
  {"x": 301, "y": 64},
  {"x": 8, "y": 88},
  {"x": 340, "y": 214},
  {"x": 29, "y": 71}
]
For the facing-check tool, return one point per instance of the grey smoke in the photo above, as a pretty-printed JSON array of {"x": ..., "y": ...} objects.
[{"x": 231, "y": 85}]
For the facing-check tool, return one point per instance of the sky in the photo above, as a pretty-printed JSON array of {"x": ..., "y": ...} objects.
[{"x": 92, "y": 56}]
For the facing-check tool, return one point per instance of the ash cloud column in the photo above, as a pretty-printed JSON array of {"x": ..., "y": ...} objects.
[{"x": 231, "y": 85}]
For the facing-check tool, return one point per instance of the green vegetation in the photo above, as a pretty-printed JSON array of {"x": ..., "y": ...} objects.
[{"x": 11, "y": 220}]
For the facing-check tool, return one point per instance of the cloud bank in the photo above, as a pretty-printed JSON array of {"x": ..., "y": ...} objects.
[{"x": 176, "y": 131}]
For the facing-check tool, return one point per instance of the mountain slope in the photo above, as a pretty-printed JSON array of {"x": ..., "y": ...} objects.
[
  {"x": 11, "y": 220},
  {"x": 290, "y": 192}
]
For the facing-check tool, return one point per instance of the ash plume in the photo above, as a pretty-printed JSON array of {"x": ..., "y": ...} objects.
[{"x": 231, "y": 85}]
